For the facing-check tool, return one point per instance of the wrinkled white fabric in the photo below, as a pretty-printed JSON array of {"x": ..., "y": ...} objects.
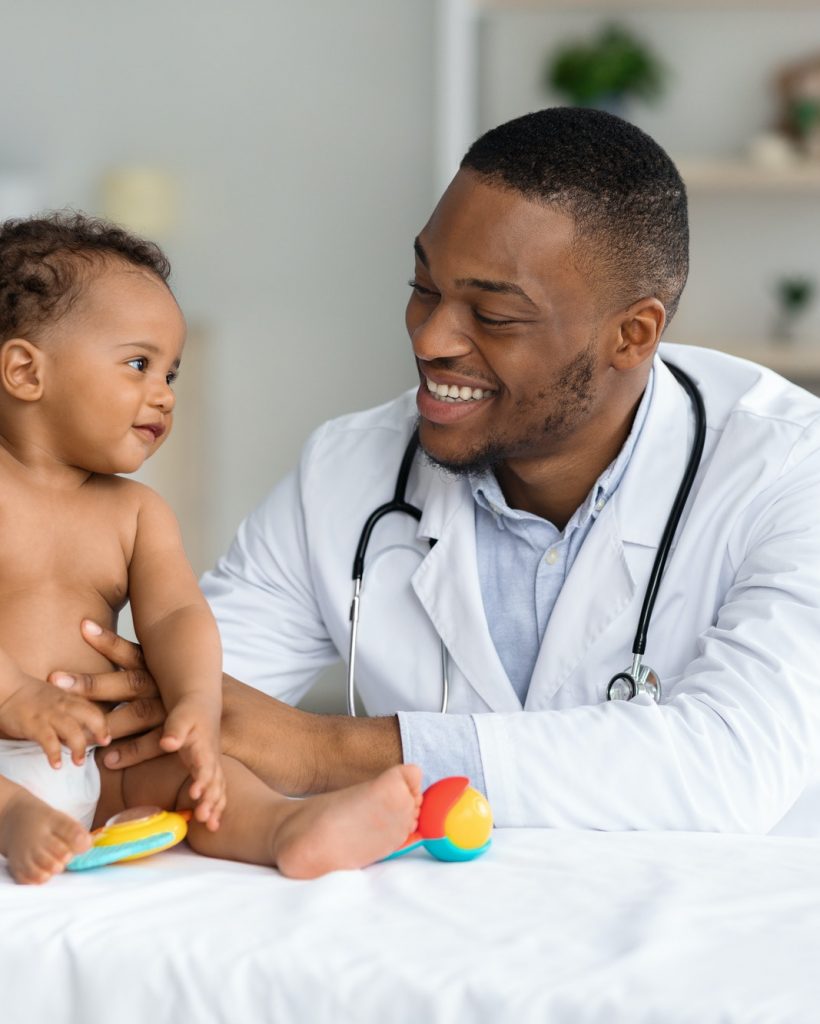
[{"x": 558, "y": 927}]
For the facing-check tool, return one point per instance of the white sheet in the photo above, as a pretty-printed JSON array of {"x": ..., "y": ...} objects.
[{"x": 548, "y": 927}]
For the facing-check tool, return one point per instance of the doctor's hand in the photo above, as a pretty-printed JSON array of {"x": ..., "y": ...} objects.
[
  {"x": 296, "y": 752},
  {"x": 136, "y": 723}
]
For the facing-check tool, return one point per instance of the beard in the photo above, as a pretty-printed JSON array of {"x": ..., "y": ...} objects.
[{"x": 569, "y": 397}]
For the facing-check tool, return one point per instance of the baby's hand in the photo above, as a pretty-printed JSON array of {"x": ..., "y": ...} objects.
[
  {"x": 192, "y": 730},
  {"x": 40, "y": 712}
]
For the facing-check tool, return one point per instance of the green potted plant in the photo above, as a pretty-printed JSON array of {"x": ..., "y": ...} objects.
[
  {"x": 794, "y": 295},
  {"x": 604, "y": 72}
]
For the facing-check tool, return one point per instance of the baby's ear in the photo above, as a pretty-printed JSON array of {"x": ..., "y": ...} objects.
[{"x": 21, "y": 369}]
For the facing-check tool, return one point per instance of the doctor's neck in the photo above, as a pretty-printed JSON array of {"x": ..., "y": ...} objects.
[{"x": 554, "y": 486}]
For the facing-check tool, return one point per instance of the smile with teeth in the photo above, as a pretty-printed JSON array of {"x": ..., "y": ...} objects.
[{"x": 453, "y": 393}]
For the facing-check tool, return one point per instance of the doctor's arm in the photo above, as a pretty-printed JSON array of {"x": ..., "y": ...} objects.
[{"x": 273, "y": 635}]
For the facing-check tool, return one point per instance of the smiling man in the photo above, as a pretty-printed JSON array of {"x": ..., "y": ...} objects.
[{"x": 554, "y": 441}]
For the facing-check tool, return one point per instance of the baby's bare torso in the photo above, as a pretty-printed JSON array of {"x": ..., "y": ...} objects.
[{"x": 64, "y": 556}]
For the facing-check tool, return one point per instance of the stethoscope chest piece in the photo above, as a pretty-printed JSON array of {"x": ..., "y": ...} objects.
[{"x": 638, "y": 678}]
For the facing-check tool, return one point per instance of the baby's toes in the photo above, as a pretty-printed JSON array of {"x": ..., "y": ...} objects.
[
  {"x": 33, "y": 869},
  {"x": 70, "y": 838},
  {"x": 29, "y": 875}
]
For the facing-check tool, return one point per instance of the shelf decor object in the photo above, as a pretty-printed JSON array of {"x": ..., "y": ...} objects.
[
  {"x": 799, "y": 89},
  {"x": 794, "y": 296},
  {"x": 142, "y": 199},
  {"x": 606, "y": 71}
]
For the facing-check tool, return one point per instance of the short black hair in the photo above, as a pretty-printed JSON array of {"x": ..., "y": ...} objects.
[
  {"x": 620, "y": 187},
  {"x": 45, "y": 263}
]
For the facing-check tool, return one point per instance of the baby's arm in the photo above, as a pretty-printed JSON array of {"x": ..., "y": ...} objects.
[
  {"x": 32, "y": 709},
  {"x": 181, "y": 645}
]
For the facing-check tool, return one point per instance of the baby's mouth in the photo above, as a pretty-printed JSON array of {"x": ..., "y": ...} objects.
[{"x": 156, "y": 430}]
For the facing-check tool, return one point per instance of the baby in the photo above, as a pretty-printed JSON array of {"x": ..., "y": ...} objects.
[{"x": 90, "y": 344}]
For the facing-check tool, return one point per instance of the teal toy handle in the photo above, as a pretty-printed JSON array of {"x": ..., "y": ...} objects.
[
  {"x": 408, "y": 846},
  {"x": 99, "y": 856}
]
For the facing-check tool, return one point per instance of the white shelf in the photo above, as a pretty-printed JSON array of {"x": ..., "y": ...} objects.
[
  {"x": 798, "y": 360},
  {"x": 718, "y": 175}
]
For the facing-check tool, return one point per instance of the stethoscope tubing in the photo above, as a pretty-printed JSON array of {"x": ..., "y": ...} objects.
[
  {"x": 396, "y": 504},
  {"x": 675, "y": 513}
]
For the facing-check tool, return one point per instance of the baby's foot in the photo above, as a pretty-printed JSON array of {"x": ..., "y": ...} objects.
[
  {"x": 38, "y": 841},
  {"x": 349, "y": 828}
]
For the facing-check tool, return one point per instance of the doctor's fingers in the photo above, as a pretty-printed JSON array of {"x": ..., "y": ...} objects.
[
  {"x": 135, "y": 717},
  {"x": 134, "y": 750},
  {"x": 117, "y": 649},
  {"x": 132, "y": 684}
]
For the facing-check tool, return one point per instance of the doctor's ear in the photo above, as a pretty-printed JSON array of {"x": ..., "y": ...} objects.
[
  {"x": 639, "y": 333},
  {"x": 21, "y": 370}
]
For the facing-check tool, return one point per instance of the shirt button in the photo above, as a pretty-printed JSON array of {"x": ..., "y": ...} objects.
[
  {"x": 599, "y": 504},
  {"x": 551, "y": 557}
]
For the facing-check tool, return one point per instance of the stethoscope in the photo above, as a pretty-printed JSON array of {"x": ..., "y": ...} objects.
[{"x": 637, "y": 678}]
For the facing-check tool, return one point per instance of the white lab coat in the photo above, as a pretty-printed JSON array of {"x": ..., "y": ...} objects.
[{"x": 735, "y": 635}]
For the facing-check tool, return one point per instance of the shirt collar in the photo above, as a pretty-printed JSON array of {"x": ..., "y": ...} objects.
[{"x": 488, "y": 495}]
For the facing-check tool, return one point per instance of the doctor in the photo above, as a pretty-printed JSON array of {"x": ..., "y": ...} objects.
[{"x": 555, "y": 439}]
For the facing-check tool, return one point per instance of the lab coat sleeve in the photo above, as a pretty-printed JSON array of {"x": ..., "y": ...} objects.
[
  {"x": 261, "y": 593},
  {"x": 732, "y": 746}
]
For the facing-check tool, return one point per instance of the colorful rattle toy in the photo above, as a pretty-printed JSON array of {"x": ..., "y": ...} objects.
[
  {"x": 132, "y": 834},
  {"x": 455, "y": 822}
]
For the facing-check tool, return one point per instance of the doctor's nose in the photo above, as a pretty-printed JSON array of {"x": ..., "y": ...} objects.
[{"x": 437, "y": 333}]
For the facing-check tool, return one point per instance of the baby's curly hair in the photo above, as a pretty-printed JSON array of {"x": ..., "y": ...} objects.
[{"x": 45, "y": 262}]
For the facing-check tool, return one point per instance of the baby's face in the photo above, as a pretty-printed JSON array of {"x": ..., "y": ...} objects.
[{"x": 110, "y": 366}]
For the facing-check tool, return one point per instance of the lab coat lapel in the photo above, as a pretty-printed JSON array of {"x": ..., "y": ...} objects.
[
  {"x": 597, "y": 592},
  {"x": 447, "y": 585},
  {"x": 609, "y": 575}
]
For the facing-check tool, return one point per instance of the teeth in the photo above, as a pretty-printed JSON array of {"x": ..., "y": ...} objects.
[{"x": 452, "y": 393}]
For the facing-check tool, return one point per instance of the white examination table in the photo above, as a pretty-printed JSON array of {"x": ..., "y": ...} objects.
[{"x": 548, "y": 927}]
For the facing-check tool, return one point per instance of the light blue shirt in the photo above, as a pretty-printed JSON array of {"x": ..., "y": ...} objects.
[{"x": 523, "y": 561}]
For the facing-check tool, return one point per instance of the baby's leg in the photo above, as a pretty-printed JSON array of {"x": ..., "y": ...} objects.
[
  {"x": 349, "y": 828},
  {"x": 36, "y": 840}
]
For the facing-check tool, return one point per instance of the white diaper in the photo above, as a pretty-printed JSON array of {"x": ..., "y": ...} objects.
[{"x": 74, "y": 789}]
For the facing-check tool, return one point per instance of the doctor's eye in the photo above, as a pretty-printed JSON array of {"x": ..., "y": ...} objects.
[
  {"x": 139, "y": 363},
  {"x": 420, "y": 290}
]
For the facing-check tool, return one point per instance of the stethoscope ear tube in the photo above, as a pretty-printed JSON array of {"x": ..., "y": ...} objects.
[
  {"x": 396, "y": 504},
  {"x": 661, "y": 558}
]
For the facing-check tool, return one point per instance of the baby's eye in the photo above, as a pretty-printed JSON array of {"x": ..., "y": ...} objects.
[
  {"x": 171, "y": 377},
  {"x": 140, "y": 363}
]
